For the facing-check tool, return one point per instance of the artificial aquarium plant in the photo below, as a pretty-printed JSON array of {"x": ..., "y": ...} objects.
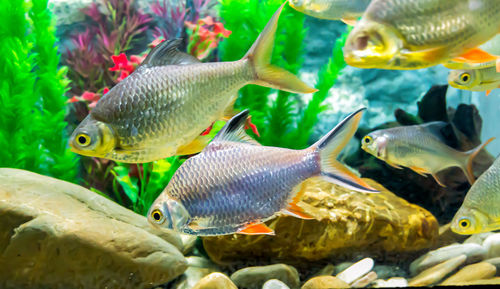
[
  {"x": 32, "y": 87},
  {"x": 282, "y": 119}
]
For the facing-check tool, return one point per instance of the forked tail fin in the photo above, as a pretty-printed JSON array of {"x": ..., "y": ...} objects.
[
  {"x": 469, "y": 173},
  {"x": 269, "y": 75},
  {"x": 329, "y": 148}
]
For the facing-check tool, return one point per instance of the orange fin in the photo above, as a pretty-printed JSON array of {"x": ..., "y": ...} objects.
[
  {"x": 438, "y": 181},
  {"x": 256, "y": 229},
  {"x": 488, "y": 92},
  {"x": 420, "y": 171},
  {"x": 194, "y": 147},
  {"x": 498, "y": 65},
  {"x": 351, "y": 22},
  {"x": 394, "y": 165},
  {"x": 475, "y": 55},
  {"x": 297, "y": 212}
]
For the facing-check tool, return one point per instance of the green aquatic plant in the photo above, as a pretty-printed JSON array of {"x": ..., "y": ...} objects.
[
  {"x": 32, "y": 87},
  {"x": 282, "y": 118}
]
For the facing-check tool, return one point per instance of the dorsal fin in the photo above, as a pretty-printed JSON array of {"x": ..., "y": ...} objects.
[
  {"x": 234, "y": 130},
  {"x": 167, "y": 53},
  {"x": 437, "y": 128}
]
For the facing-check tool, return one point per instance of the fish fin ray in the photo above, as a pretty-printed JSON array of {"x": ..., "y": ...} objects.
[
  {"x": 167, "y": 53},
  {"x": 421, "y": 171},
  {"x": 436, "y": 128},
  {"x": 194, "y": 147},
  {"x": 498, "y": 65},
  {"x": 256, "y": 228},
  {"x": 475, "y": 55},
  {"x": 234, "y": 130},
  {"x": 468, "y": 170},
  {"x": 295, "y": 211},
  {"x": 259, "y": 56},
  {"x": 394, "y": 165},
  {"x": 438, "y": 180},
  {"x": 351, "y": 22},
  {"x": 488, "y": 92}
]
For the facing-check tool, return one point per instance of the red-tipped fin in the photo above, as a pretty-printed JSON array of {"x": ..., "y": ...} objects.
[
  {"x": 297, "y": 212},
  {"x": 488, "y": 92},
  {"x": 256, "y": 229},
  {"x": 351, "y": 22},
  {"x": 475, "y": 55}
]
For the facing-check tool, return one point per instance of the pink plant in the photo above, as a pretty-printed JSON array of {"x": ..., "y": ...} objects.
[{"x": 204, "y": 36}]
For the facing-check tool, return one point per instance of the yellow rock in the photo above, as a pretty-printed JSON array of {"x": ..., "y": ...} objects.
[
  {"x": 438, "y": 272},
  {"x": 324, "y": 282},
  {"x": 215, "y": 281},
  {"x": 478, "y": 271},
  {"x": 492, "y": 281},
  {"x": 345, "y": 222}
]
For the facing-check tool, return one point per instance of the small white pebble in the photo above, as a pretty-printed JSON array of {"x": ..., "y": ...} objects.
[
  {"x": 274, "y": 284},
  {"x": 356, "y": 270}
]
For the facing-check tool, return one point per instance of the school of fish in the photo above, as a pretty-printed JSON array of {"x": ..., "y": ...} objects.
[{"x": 234, "y": 184}]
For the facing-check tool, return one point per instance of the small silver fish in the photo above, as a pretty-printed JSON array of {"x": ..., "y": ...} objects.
[
  {"x": 235, "y": 184},
  {"x": 421, "y": 148},
  {"x": 163, "y": 106},
  {"x": 479, "y": 79},
  {"x": 346, "y": 10}
]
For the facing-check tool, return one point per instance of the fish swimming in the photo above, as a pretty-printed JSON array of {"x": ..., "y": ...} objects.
[
  {"x": 346, "y": 10},
  {"x": 409, "y": 34},
  {"x": 480, "y": 211},
  {"x": 235, "y": 184},
  {"x": 421, "y": 148},
  {"x": 492, "y": 47},
  {"x": 479, "y": 79},
  {"x": 161, "y": 109}
]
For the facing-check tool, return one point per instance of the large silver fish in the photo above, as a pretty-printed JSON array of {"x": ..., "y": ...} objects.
[
  {"x": 346, "y": 10},
  {"x": 162, "y": 107},
  {"x": 235, "y": 184},
  {"x": 421, "y": 148}
]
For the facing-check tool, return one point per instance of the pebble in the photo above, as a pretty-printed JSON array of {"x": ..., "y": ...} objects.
[
  {"x": 188, "y": 242},
  {"x": 356, "y": 271},
  {"x": 365, "y": 280},
  {"x": 255, "y": 277},
  {"x": 472, "y": 272},
  {"x": 438, "y": 272},
  {"x": 215, "y": 281},
  {"x": 275, "y": 284},
  {"x": 492, "y": 281},
  {"x": 388, "y": 271},
  {"x": 199, "y": 267},
  {"x": 394, "y": 282},
  {"x": 473, "y": 252},
  {"x": 495, "y": 262},
  {"x": 328, "y": 270},
  {"x": 492, "y": 245},
  {"x": 342, "y": 266},
  {"x": 478, "y": 238},
  {"x": 324, "y": 282}
]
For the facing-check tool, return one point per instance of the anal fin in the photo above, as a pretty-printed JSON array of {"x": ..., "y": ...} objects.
[
  {"x": 394, "y": 165},
  {"x": 438, "y": 180},
  {"x": 297, "y": 212},
  {"x": 475, "y": 55},
  {"x": 351, "y": 22},
  {"x": 256, "y": 229},
  {"x": 194, "y": 147},
  {"x": 420, "y": 171}
]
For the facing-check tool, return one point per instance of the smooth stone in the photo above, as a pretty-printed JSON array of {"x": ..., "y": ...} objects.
[
  {"x": 199, "y": 267},
  {"x": 328, "y": 270},
  {"x": 492, "y": 281},
  {"x": 388, "y": 271},
  {"x": 346, "y": 223},
  {"x": 54, "y": 234},
  {"x": 356, "y": 271},
  {"x": 495, "y": 262},
  {"x": 215, "y": 281},
  {"x": 492, "y": 245},
  {"x": 438, "y": 272},
  {"x": 478, "y": 271},
  {"x": 365, "y": 280},
  {"x": 394, "y": 282},
  {"x": 188, "y": 243},
  {"x": 342, "y": 266},
  {"x": 478, "y": 238},
  {"x": 275, "y": 284},
  {"x": 474, "y": 253},
  {"x": 324, "y": 282},
  {"x": 255, "y": 277}
]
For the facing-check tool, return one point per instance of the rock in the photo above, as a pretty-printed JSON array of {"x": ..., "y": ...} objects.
[
  {"x": 328, "y": 270},
  {"x": 365, "y": 280},
  {"x": 199, "y": 267},
  {"x": 346, "y": 223},
  {"x": 255, "y": 277},
  {"x": 215, "y": 281},
  {"x": 188, "y": 243},
  {"x": 54, "y": 234},
  {"x": 492, "y": 245},
  {"x": 474, "y": 253},
  {"x": 356, "y": 271},
  {"x": 478, "y": 238},
  {"x": 324, "y": 282},
  {"x": 495, "y": 262},
  {"x": 388, "y": 271},
  {"x": 275, "y": 284},
  {"x": 391, "y": 283},
  {"x": 478, "y": 271},
  {"x": 342, "y": 266},
  {"x": 438, "y": 272},
  {"x": 492, "y": 281}
]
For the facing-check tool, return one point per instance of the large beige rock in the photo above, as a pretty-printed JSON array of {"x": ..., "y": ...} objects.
[
  {"x": 345, "y": 222},
  {"x": 54, "y": 234}
]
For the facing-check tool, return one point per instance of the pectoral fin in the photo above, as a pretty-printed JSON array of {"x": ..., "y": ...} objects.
[
  {"x": 256, "y": 229},
  {"x": 194, "y": 147},
  {"x": 475, "y": 55}
]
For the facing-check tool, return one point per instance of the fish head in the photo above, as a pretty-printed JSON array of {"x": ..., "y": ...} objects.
[
  {"x": 463, "y": 79},
  {"x": 169, "y": 213},
  {"x": 299, "y": 5},
  {"x": 373, "y": 45},
  {"x": 375, "y": 144},
  {"x": 469, "y": 221},
  {"x": 92, "y": 138}
]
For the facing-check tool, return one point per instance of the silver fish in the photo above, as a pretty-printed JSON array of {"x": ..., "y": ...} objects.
[
  {"x": 345, "y": 10},
  {"x": 235, "y": 184}
]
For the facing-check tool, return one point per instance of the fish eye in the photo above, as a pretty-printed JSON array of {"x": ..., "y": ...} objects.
[
  {"x": 464, "y": 223},
  {"x": 83, "y": 140},
  {"x": 157, "y": 215},
  {"x": 465, "y": 77},
  {"x": 367, "y": 139}
]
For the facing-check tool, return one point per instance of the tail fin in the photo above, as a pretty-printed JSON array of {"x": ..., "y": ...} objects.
[
  {"x": 269, "y": 75},
  {"x": 329, "y": 148},
  {"x": 470, "y": 157}
]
